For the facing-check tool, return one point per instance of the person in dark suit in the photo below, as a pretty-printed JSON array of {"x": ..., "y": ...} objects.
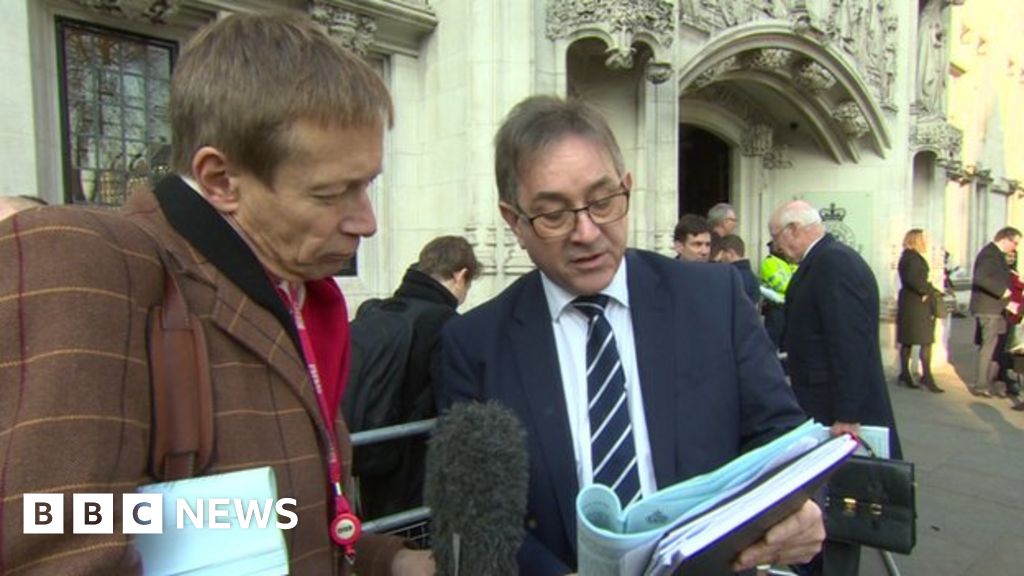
[
  {"x": 915, "y": 311},
  {"x": 831, "y": 334},
  {"x": 693, "y": 380},
  {"x": 731, "y": 250},
  {"x": 990, "y": 293}
]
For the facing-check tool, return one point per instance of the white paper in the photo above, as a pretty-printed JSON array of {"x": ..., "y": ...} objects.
[
  {"x": 206, "y": 551},
  {"x": 877, "y": 437}
]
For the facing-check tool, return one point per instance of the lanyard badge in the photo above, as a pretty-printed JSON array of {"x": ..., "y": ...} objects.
[{"x": 345, "y": 529}]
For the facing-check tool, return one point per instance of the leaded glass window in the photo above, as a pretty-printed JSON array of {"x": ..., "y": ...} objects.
[{"x": 115, "y": 88}]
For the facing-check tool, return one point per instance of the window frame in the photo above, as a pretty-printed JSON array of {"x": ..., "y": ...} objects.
[{"x": 68, "y": 167}]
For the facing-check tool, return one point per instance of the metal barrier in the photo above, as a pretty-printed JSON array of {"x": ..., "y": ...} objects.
[
  {"x": 393, "y": 432},
  {"x": 412, "y": 524}
]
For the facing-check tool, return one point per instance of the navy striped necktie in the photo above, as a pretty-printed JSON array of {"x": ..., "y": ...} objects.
[{"x": 613, "y": 453}]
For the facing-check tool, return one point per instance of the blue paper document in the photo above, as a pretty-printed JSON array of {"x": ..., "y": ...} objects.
[
  {"x": 658, "y": 533},
  {"x": 218, "y": 524}
]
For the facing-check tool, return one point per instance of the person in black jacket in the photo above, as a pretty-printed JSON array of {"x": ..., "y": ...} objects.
[
  {"x": 915, "y": 310},
  {"x": 832, "y": 337},
  {"x": 431, "y": 291},
  {"x": 990, "y": 292}
]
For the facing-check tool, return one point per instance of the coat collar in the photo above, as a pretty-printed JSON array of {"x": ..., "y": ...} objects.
[
  {"x": 809, "y": 259},
  {"x": 246, "y": 306},
  {"x": 206, "y": 230}
]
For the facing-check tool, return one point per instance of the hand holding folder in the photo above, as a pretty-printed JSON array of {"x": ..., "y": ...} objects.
[{"x": 702, "y": 523}]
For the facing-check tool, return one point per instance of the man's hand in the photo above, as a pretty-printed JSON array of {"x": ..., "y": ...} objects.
[
  {"x": 413, "y": 563},
  {"x": 840, "y": 428},
  {"x": 795, "y": 540}
]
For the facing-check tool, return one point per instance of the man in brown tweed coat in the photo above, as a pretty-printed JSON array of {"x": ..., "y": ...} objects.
[{"x": 277, "y": 135}]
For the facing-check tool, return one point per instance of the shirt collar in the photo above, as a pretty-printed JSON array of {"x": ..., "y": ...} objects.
[
  {"x": 811, "y": 247},
  {"x": 559, "y": 298},
  {"x": 290, "y": 288}
]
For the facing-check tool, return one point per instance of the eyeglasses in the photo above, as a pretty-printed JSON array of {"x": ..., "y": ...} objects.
[
  {"x": 559, "y": 223},
  {"x": 775, "y": 235}
]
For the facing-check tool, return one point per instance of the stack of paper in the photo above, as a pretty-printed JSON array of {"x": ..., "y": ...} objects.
[{"x": 707, "y": 519}]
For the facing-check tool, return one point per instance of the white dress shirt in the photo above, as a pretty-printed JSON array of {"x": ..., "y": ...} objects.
[{"x": 570, "y": 329}]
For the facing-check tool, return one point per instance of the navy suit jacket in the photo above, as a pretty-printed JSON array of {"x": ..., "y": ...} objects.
[
  {"x": 711, "y": 383},
  {"x": 835, "y": 360}
]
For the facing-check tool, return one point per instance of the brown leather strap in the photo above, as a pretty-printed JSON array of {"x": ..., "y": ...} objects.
[{"x": 181, "y": 442}]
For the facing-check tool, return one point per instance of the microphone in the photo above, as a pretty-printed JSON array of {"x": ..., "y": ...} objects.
[{"x": 476, "y": 484}]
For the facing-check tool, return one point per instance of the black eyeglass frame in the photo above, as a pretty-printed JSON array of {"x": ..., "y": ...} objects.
[{"x": 623, "y": 191}]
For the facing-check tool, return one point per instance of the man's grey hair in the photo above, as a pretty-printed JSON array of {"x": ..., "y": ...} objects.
[
  {"x": 719, "y": 212},
  {"x": 799, "y": 213}
]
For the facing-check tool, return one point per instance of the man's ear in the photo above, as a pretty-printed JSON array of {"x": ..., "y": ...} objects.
[
  {"x": 678, "y": 247},
  {"x": 213, "y": 173},
  {"x": 627, "y": 180},
  {"x": 511, "y": 217}
]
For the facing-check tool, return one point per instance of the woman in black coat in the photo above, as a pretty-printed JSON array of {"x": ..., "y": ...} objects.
[{"x": 915, "y": 310}]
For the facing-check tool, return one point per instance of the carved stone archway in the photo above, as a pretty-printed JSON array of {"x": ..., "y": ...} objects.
[{"x": 812, "y": 78}]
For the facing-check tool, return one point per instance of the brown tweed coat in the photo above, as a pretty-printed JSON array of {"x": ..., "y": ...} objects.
[{"x": 75, "y": 288}]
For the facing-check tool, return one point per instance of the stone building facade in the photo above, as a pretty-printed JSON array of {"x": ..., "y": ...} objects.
[{"x": 887, "y": 114}]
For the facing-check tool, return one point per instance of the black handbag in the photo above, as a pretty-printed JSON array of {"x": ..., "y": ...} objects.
[{"x": 871, "y": 501}]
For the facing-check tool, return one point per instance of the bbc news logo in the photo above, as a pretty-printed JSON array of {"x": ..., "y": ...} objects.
[{"x": 144, "y": 513}]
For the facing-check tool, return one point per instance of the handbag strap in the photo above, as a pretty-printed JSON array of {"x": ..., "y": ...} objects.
[{"x": 181, "y": 441}]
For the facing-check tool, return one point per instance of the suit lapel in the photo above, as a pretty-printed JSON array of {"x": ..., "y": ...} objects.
[
  {"x": 656, "y": 346},
  {"x": 532, "y": 340}
]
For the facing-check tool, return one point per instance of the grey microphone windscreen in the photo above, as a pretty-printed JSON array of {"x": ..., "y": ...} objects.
[{"x": 476, "y": 484}]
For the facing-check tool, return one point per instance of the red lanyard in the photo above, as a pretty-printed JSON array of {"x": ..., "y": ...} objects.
[{"x": 345, "y": 528}]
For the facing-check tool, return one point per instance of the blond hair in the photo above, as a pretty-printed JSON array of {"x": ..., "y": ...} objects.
[{"x": 914, "y": 240}]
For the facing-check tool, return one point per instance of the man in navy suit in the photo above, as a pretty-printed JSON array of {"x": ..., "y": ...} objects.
[
  {"x": 696, "y": 372},
  {"x": 831, "y": 334}
]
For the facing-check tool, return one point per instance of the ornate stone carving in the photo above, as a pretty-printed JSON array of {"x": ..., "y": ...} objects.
[
  {"x": 768, "y": 59},
  {"x": 851, "y": 120},
  {"x": 865, "y": 30},
  {"x": 625, "y": 21},
  {"x": 154, "y": 11},
  {"x": 757, "y": 140},
  {"x": 711, "y": 74},
  {"x": 940, "y": 136},
  {"x": 658, "y": 72},
  {"x": 813, "y": 76},
  {"x": 350, "y": 29},
  {"x": 619, "y": 58},
  {"x": 932, "y": 58},
  {"x": 736, "y": 103},
  {"x": 719, "y": 14},
  {"x": 777, "y": 158},
  {"x": 625, "y": 17}
]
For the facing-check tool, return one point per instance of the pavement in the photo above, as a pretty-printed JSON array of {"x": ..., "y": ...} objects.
[{"x": 969, "y": 467}]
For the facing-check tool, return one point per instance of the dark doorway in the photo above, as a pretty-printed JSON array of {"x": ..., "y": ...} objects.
[{"x": 703, "y": 170}]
